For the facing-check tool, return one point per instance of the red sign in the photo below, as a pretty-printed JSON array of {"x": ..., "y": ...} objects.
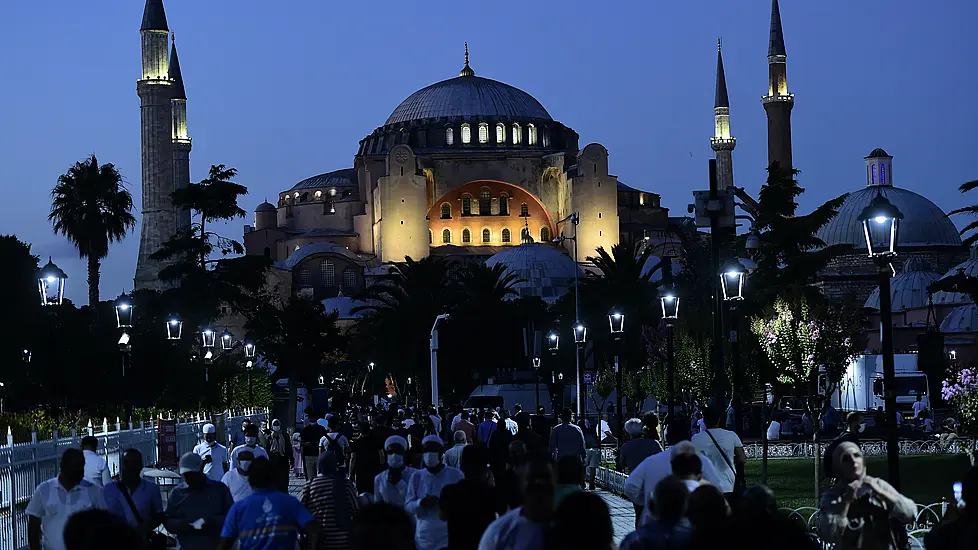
[{"x": 166, "y": 443}]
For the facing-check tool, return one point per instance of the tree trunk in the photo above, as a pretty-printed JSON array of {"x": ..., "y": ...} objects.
[
  {"x": 293, "y": 396},
  {"x": 93, "y": 279},
  {"x": 765, "y": 421}
]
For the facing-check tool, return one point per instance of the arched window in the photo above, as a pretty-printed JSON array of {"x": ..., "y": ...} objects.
[
  {"x": 485, "y": 201},
  {"x": 532, "y": 130},
  {"x": 504, "y": 205},
  {"x": 524, "y": 210},
  {"x": 349, "y": 278},
  {"x": 466, "y": 205},
  {"x": 318, "y": 195},
  {"x": 500, "y": 133},
  {"x": 486, "y": 236},
  {"x": 327, "y": 273},
  {"x": 546, "y": 136},
  {"x": 483, "y": 132},
  {"x": 545, "y": 234},
  {"x": 446, "y": 211},
  {"x": 446, "y": 236},
  {"x": 506, "y": 236},
  {"x": 305, "y": 277},
  {"x": 449, "y": 136},
  {"x": 882, "y": 174},
  {"x": 466, "y": 236},
  {"x": 517, "y": 134},
  {"x": 466, "y": 133},
  {"x": 874, "y": 174}
]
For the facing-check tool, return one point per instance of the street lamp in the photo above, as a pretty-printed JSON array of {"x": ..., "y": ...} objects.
[
  {"x": 580, "y": 333},
  {"x": 553, "y": 340},
  {"x": 616, "y": 320},
  {"x": 26, "y": 355},
  {"x": 174, "y": 327},
  {"x": 249, "y": 350},
  {"x": 123, "y": 312},
  {"x": 51, "y": 284},
  {"x": 227, "y": 340},
  {"x": 207, "y": 337},
  {"x": 732, "y": 280},
  {"x": 881, "y": 221},
  {"x": 669, "y": 300}
]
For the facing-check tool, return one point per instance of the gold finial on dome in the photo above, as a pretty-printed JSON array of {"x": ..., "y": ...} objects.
[{"x": 466, "y": 70}]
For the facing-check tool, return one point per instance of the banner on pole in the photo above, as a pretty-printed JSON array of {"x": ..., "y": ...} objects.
[{"x": 166, "y": 443}]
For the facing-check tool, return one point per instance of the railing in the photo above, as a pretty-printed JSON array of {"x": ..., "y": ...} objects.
[
  {"x": 754, "y": 451},
  {"x": 24, "y": 465}
]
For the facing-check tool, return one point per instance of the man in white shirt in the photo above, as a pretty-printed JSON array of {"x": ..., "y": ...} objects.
[
  {"x": 237, "y": 478},
  {"x": 214, "y": 455},
  {"x": 454, "y": 455},
  {"x": 774, "y": 430},
  {"x": 723, "y": 448},
  {"x": 391, "y": 485},
  {"x": 56, "y": 499},
  {"x": 96, "y": 469},
  {"x": 424, "y": 491},
  {"x": 336, "y": 442},
  {"x": 435, "y": 419},
  {"x": 918, "y": 407},
  {"x": 250, "y": 444}
]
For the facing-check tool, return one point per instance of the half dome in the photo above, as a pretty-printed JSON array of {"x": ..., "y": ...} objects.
[
  {"x": 468, "y": 97},
  {"x": 347, "y": 177},
  {"x": 343, "y": 307},
  {"x": 924, "y": 224},
  {"x": 968, "y": 267},
  {"x": 547, "y": 272},
  {"x": 961, "y": 319},
  {"x": 908, "y": 290}
]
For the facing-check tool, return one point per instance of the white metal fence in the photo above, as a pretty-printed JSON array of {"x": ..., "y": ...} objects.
[{"x": 24, "y": 465}]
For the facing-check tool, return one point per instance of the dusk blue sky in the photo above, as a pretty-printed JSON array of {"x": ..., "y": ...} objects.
[{"x": 285, "y": 90}]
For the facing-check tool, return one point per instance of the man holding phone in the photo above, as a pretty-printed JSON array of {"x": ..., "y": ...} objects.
[{"x": 213, "y": 454}]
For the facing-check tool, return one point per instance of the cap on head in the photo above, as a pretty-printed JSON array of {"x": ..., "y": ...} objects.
[
  {"x": 209, "y": 429},
  {"x": 191, "y": 462}
]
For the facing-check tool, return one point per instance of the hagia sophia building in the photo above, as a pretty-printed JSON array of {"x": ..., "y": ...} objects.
[{"x": 473, "y": 169}]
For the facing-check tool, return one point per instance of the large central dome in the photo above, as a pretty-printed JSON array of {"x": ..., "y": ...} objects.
[{"x": 468, "y": 96}]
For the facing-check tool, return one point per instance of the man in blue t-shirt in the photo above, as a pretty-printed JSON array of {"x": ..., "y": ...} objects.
[{"x": 268, "y": 519}]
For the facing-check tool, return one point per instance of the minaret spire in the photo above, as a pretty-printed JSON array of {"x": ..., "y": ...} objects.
[
  {"x": 181, "y": 137},
  {"x": 466, "y": 70},
  {"x": 175, "y": 75},
  {"x": 778, "y": 102},
  {"x": 722, "y": 142}
]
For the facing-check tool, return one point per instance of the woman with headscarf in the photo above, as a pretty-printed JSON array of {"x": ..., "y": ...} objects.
[
  {"x": 278, "y": 449},
  {"x": 297, "y": 461},
  {"x": 861, "y": 512},
  {"x": 332, "y": 500}
]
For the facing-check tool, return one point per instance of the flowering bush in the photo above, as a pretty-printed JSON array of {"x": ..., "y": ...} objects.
[{"x": 962, "y": 391}]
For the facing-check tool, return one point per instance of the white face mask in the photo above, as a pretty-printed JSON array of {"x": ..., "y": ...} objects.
[
  {"x": 862, "y": 427},
  {"x": 244, "y": 465},
  {"x": 395, "y": 461},
  {"x": 276, "y": 428},
  {"x": 251, "y": 441},
  {"x": 431, "y": 459}
]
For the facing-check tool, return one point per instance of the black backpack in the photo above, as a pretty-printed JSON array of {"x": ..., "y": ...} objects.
[{"x": 333, "y": 446}]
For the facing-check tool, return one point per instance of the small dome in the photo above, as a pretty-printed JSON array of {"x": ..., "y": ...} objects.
[
  {"x": 961, "y": 319},
  {"x": 877, "y": 153},
  {"x": 343, "y": 307},
  {"x": 347, "y": 177},
  {"x": 908, "y": 290},
  {"x": 924, "y": 224},
  {"x": 968, "y": 267},
  {"x": 265, "y": 207},
  {"x": 468, "y": 96},
  {"x": 546, "y": 271}
]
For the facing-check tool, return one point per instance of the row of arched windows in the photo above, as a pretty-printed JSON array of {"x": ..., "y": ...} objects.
[
  {"x": 485, "y": 206},
  {"x": 327, "y": 276},
  {"x": 516, "y": 134},
  {"x": 505, "y": 236}
]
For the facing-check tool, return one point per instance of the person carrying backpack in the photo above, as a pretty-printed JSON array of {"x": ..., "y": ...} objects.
[{"x": 336, "y": 443}]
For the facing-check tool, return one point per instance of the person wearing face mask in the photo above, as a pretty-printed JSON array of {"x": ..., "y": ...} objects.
[
  {"x": 855, "y": 426},
  {"x": 237, "y": 478},
  {"x": 861, "y": 512},
  {"x": 196, "y": 509},
  {"x": 213, "y": 454},
  {"x": 249, "y": 444},
  {"x": 525, "y": 527},
  {"x": 391, "y": 485},
  {"x": 278, "y": 449},
  {"x": 424, "y": 492},
  {"x": 56, "y": 499}
]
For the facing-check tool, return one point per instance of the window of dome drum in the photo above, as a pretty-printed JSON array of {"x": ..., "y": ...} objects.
[
  {"x": 449, "y": 136},
  {"x": 517, "y": 134},
  {"x": 524, "y": 210},
  {"x": 466, "y": 134},
  {"x": 305, "y": 277},
  {"x": 446, "y": 236},
  {"x": 466, "y": 206},
  {"x": 466, "y": 236},
  {"x": 500, "y": 133},
  {"x": 349, "y": 278},
  {"x": 327, "y": 273},
  {"x": 503, "y": 205},
  {"x": 446, "y": 211},
  {"x": 318, "y": 194},
  {"x": 486, "y": 235},
  {"x": 532, "y": 130},
  {"x": 506, "y": 236},
  {"x": 483, "y": 132}
]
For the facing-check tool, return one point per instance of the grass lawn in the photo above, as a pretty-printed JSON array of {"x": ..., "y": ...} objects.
[{"x": 925, "y": 479}]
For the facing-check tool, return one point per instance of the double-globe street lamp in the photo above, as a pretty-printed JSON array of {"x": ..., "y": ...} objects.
[
  {"x": 881, "y": 221},
  {"x": 616, "y": 321},
  {"x": 124, "y": 320},
  {"x": 208, "y": 341}
]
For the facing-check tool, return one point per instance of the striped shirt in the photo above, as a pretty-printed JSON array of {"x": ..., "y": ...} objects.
[{"x": 319, "y": 498}]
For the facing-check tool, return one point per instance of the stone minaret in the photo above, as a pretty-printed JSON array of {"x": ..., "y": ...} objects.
[
  {"x": 722, "y": 142},
  {"x": 778, "y": 102},
  {"x": 181, "y": 138},
  {"x": 156, "y": 142}
]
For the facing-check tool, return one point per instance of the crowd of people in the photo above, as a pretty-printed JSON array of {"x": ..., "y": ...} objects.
[{"x": 413, "y": 479}]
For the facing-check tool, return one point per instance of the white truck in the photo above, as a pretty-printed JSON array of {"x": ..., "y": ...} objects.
[{"x": 861, "y": 387}]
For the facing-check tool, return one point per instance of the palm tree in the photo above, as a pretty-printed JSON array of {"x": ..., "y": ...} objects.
[
  {"x": 483, "y": 284},
  {"x": 92, "y": 208},
  {"x": 973, "y": 210}
]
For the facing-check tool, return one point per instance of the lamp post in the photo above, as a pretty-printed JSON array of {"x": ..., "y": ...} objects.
[
  {"x": 575, "y": 219},
  {"x": 881, "y": 222},
  {"x": 174, "y": 327},
  {"x": 580, "y": 340},
  {"x": 616, "y": 320},
  {"x": 123, "y": 319},
  {"x": 732, "y": 276},
  {"x": 51, "y": 284},
  {"x": 670, "y": 314},
  {"x": 250, "y": 353},
  {"x": 553, "y": 345}
]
